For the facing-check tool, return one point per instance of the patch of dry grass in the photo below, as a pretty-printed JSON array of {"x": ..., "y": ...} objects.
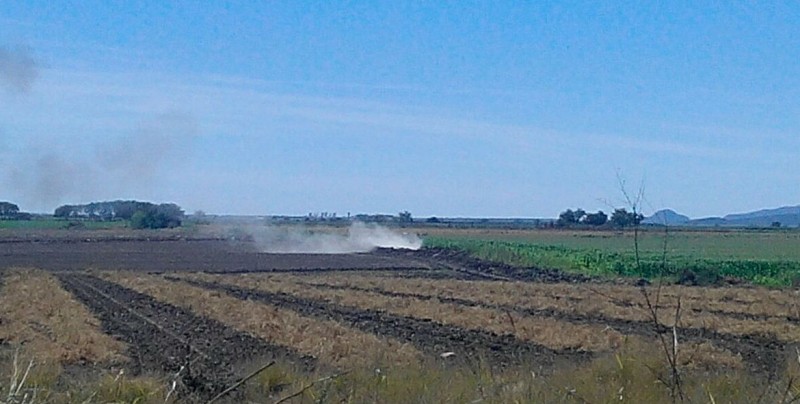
[
  {"x": 44, "y": 329},
  {"x": 549, "y": 332},
  {"x": 46, "y": 321},
  {"x": 326, "y": 340}
]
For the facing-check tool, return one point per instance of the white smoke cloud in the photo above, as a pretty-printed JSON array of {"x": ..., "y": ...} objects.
[{"x": 359, "y": 237}]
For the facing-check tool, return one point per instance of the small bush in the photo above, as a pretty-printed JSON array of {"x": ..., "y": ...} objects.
[{"x": 157, "y": 217}]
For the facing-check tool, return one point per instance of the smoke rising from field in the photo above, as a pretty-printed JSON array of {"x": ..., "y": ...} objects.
[
  {"x": 128, "y": 165},
  {"x": 155, "y": 144},
  {"x": 18, "y": 69},
  {"x": 359, "y": 237}
]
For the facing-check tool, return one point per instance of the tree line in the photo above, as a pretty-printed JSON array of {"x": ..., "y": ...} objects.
[
  {"x": 10, "y": 211},
  {"x": 620, "y": 218},
  {"x": 142, "y": 215}
]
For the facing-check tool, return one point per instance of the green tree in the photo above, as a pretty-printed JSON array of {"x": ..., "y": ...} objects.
[
  {"x": 596, "y": 219},
  {"x": 622, "y": 218},
  {"x": 166, "y": 215},
  {"x": 162, "y": 216},
  {"x": 405, "y": 217},
  {"x": 8, "y": 209},
  {"x": 570, "y": 217}
]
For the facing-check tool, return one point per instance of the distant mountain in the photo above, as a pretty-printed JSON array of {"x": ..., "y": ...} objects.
[
  {"x": 787, "y": 216},
  {"x": 668, "y": 217},
  {"x": 785, "y": 211}
]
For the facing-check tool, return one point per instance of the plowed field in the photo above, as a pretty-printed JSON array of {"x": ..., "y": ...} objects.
[{"x": 173, "y": 305}]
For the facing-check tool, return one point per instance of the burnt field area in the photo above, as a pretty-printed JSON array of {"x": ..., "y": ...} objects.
[{"x": 204, "y": 318}]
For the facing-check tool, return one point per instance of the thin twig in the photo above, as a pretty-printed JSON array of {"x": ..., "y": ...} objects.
[
  {"x": 240, "y": 382},
  {"x": 310, "y": 385},
  {"x": 511, "y": 319}
]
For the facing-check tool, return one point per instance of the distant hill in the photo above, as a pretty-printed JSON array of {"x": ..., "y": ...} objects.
[
  {"x": 668, "y": 217},
  {"x": 787, "y": 216}
]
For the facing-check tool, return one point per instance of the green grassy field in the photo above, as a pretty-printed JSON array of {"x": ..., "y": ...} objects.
[
  {"x": 762, "y": 257},
  {"x": 47, "y": 223}
]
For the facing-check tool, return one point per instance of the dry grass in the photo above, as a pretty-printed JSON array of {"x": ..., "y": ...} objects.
[
  {"x": 46, "y": 328},
  {"x": 46, "y": 321},
  {"x": 326, "y": 340},
  {"x": 699, "y": 305},
  {"x": 549, "y": 332},
  {"x": 632, "y": 373}
]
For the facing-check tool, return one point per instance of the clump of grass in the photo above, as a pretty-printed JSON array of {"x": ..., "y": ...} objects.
[
  {"x": 26, "y": 380},
  {"x": 120, "y": 388},
  {"x": 636, "y": 373}
]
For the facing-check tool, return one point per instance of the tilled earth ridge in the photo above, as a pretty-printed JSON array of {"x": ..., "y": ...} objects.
[
  {"x": 760, "y": 352},
  {"x": 428, "y": 336},
  {"x": 226, "y": 256},
  {"x": 178, "y": 255},
  {"x": 206, "y": 355}
]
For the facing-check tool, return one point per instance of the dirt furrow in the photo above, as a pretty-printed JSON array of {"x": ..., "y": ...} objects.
[
  {"x": 330, "y": 342},
  {"x": 428, "y": 336},
  {"x": 760, "y": 352},
  {"x": 204, "y": 355}
]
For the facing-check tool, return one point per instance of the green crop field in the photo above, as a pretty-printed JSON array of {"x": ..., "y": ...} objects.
[
  {"x": 47, "y": 223},
  {"x": 762, "y": 257}
]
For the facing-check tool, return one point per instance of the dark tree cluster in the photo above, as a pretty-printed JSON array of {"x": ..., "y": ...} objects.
[
  {"x": 166, "y": 215},
  {"x": 579, "y": 216},
  {"x": 10, "y": 211},
  {"x": 141, "y": 214},
  {"x": 404, "y": 217},
  {"x": 623, "y": 218},
  {"x": 620, "y": 218}
]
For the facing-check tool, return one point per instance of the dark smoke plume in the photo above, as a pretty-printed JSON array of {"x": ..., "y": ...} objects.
[
  {"x": 122, "y": 167},
  {"x": 18, "y": 69}
]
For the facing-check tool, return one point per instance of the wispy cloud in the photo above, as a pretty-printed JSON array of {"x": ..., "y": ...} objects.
[
  {"x": 119, "y": 132},
  {"x": 247, "y": 107}
]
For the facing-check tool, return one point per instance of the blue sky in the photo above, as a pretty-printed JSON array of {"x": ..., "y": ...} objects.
[{"x": 498, "y": 109}]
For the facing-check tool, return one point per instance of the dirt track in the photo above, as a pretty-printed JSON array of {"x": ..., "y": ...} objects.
[{"x": 205, "y": 355}]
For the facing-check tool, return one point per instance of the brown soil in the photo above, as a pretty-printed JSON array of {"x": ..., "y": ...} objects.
[
  {"x": 204, "y": 355},
  {"x": 339, "y": 346},
  {"x": 178, "y": 255},
  {"x": 760, "y": 352},
  {"x": 163, "y": 337},
  {"x": 428, "y": 336}
]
